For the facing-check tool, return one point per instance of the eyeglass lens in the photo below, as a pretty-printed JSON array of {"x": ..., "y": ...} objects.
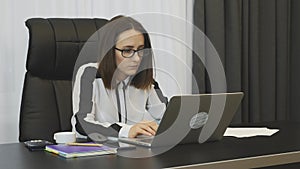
[{"x": 131, "y": 52}]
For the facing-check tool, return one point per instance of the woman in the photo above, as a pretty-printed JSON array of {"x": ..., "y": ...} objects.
[{"x": 126, "y": 101}]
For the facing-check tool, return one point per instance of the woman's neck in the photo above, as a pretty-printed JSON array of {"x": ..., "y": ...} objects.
[{"x": 121, "y": 76}]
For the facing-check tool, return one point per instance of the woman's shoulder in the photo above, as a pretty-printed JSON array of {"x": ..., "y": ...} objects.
[
  {"x": 86, "y": 71},
  {"x": 98, "y": 81},
  {"x": 155, "y": 85}
]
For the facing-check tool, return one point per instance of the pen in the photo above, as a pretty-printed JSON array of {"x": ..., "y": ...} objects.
[{"x": 85, "y": 144}]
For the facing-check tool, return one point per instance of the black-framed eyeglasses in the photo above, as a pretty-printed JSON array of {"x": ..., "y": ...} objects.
[{"x": 128, "y": 53}]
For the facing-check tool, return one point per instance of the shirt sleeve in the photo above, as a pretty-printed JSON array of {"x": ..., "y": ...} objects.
[
  {"x": 83, "y": 120},
  {"x": 124, "y": 131},
  {"x": 156, "y": 103}
]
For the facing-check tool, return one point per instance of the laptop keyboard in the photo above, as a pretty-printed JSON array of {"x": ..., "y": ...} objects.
[{"x": 147, "y": 140}]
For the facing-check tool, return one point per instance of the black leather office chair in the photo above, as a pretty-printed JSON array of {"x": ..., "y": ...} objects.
[{"x": 54, "y": 45}]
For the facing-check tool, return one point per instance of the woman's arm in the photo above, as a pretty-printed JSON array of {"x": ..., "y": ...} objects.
[
  {"x": 156, "y": 106},
  {"x": 156, "y": 103},
  {"x": 83, "y": 120}
]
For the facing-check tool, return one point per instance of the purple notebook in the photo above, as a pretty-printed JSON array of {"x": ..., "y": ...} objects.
[{"x": 79, "y": 151}]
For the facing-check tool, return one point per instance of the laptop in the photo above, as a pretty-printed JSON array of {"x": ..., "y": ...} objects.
[{"x": 195, "y": 118}]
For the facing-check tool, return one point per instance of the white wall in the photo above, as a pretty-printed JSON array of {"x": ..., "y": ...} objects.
[{"x": 14, "y": 41}]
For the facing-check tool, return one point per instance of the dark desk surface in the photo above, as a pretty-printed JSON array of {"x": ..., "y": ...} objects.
[{"x": 281, "y": 148}]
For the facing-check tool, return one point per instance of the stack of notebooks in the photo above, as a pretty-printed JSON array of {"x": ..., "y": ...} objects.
[{"x": 70, "y": 151}]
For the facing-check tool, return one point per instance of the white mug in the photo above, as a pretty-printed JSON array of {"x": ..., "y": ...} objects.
[{"x": 64, "y": 137}]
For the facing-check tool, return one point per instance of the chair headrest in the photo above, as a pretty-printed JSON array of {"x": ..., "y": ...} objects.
[{"x": 55, "y": 43}]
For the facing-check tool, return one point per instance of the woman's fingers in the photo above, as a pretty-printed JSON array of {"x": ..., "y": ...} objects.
[
  {"x": 153, "y": 125},
  {"x": 144, "y": 132},
  {"x": 138, "y": 129},
  {"x": 146, "y": 128}
]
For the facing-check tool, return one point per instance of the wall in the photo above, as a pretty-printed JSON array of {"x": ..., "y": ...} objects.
[{"x": 14, "y": 39}]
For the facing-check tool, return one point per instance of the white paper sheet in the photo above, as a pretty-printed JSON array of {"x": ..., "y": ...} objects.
[{"x": 249, "y": 131}]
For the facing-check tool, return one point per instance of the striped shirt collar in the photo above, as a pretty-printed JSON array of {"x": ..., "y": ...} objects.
[{"x": 124, "y": 83}]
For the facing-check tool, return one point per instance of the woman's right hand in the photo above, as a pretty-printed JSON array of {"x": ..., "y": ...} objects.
[{"x": 148, "y": 128}]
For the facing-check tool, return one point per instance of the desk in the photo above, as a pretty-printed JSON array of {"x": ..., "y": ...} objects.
[{"x": 282, "y": 148}]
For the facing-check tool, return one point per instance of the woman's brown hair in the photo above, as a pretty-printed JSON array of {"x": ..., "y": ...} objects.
[{"x": 107, "y": 67}]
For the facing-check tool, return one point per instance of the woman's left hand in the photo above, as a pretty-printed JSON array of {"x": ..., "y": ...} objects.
[{"x": 145, "y": 127}]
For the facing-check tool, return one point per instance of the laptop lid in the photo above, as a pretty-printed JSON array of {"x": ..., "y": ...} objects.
[{"x": 195, "y": 118}]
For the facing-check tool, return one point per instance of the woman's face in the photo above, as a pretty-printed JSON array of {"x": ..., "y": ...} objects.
[{"x": 130, "y": 39}]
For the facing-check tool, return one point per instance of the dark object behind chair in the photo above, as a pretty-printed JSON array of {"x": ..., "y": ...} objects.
[{"x": 54, "y": 45}]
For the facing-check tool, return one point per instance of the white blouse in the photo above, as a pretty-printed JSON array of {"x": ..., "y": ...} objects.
[{"x": 135, "y": 105}]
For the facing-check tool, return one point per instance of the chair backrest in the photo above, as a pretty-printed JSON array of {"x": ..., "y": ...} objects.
[{"x": 54, "y": 45}]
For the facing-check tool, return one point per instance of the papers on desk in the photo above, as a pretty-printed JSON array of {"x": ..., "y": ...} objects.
[{"x": 249, "y": 131}]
